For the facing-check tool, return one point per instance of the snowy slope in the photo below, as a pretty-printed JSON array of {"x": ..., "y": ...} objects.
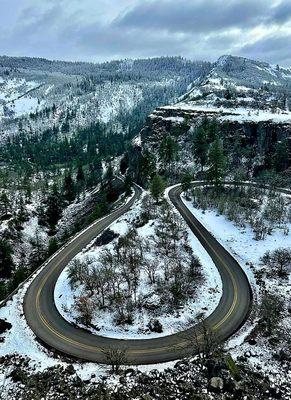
[
  {"x": 83, "y": 93},
  {"x": 245, "y": 89}
]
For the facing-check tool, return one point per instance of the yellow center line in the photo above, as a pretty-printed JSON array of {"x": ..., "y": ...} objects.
[{"x": 136, "y": 351}]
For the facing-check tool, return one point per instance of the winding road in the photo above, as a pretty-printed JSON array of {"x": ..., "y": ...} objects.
[{"x": 53, "y": 330}]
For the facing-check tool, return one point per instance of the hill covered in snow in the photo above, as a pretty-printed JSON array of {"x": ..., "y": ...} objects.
[
  {"x": 36, "y": 93},
  {"x": 245, "y": 103},
  {"x": 244, "y": 86}
]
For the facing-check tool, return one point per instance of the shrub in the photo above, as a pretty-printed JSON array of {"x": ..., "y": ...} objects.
[{"x": 155, "y": 325}]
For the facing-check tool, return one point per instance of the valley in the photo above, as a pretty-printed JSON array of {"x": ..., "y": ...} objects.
[{"x": 145, "y": 228}]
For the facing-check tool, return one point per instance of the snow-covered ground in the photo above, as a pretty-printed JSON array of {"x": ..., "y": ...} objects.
[
  {"x": 240, "y": 114},
  {"x": 24, "y": 105},
  {"x": 241, "y": 244},
  {"x": 206, "y": 299},
  {"x": 11, "y": 91},
  {"x": 20, "y": 339},
  {"x": 240, "y": 241}
]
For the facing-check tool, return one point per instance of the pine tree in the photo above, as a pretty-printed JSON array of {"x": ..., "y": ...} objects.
[
  {"x": 80, "y": 174},
  {"x": 109, "y": 173},
  {"x": 127, "y": 184},
  {"x": 157, "y": 187},
  {"x": 5, "y": 202},
  {"x": 53, "y": 210},
  {"x": 282, "y": 156},
  {"x": 200, "y": 146},
  {"x": 216, "y": 162},
  {"x": 6, "y": 262},
  {"x": 186, "y": 182},
  {"x": 53, "y": 246},
  {"x": 168, "y": 151},
  {"x": 146, "y": 167},
  {"x": 69, "y": 188},
  {"x": 22, "y": 214}
]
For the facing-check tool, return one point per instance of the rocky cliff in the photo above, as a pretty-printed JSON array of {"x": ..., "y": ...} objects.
[{"x": 253, "y": 116}]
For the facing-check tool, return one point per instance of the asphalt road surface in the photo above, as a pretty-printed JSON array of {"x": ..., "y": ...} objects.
[{"x": 52, "y": 329}]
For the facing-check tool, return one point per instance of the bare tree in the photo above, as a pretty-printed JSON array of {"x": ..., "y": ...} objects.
[
  {"x": 205, "y": 343},
  {"x": 205, "y": 340},
  {"x": 270, "y": 311},
  {"x": 115, "y": 358},
  {"x": 85, "y": 309},
  {"x": 151, "y": 270},
  {"x": 76, "y": 273}
]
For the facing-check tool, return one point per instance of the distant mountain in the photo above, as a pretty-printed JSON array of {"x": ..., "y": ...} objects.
[
  {"x": 236, "y": 82},
  {"x": 36, "y": 94}
]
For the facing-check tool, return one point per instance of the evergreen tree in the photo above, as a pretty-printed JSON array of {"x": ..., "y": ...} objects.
[
  {"x": 69, "y": 188},
  {"x": 94, "y": 174},
  {"x": 168, "y": 151},
  {"x": 38, "y": 253},
  {"x": 216, "y": 162},
  {"x": 22, "y": 214},
  {"x": 124, "y": 163},
  {"x": 157, "y": 187},
  {"x": 53, "y": 210},
  {"x": 186, "y": 182},
  {"x": 127, "y": 184},
  {"x": 282, "y": 155},
  {"x": 109, "y": 173},
  {"x": 28, "y": 192},
  {"x": 146, "y": 167},
  {"x": 5, "y": 202},
  {"x": 100, "y": 210},
  {"x": 53, "y": 246},
  {"x": 80, "y": 174},
  {"x": 200, "y": 146},
  {"x": 6, "y": 262}
]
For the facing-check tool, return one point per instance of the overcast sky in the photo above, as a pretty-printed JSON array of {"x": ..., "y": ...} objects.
[{"x": 97, "y": 30}]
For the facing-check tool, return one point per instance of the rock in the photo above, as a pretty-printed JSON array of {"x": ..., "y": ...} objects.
[
  {"x": 70, "y": 370},
  {"x": 17, "y": 375},
  {"x": 129, "y": 372},
  {"x": 122, "y": 380},
  {"x": 155, "y": 326},
  {"x": 106, "y": 237},
  {"x": 4, "y": 326},
  {"x": 216, "y": 383},
  {"x": 252, "y": 341}
]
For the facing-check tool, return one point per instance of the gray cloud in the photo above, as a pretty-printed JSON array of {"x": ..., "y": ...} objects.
[
  {"x": 272, "y": 49},
  {"x": 200, "y": 29},
  {"x": 195, "y": 16},
  {"x": 281, "y": 13}
]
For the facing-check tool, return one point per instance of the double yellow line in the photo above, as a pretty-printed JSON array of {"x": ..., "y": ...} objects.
[{"x": 95, "y": 349}]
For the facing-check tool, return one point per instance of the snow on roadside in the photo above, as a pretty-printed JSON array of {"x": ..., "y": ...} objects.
[
  {"x": 247, "y": 251},
  {"x": 21, "y": 340},
  {"x": 239, "y": 241}
]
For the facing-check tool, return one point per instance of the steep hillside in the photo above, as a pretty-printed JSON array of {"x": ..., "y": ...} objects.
[{"x": 36, "y": 94}]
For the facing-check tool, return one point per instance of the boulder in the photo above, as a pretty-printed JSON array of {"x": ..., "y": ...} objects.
[
  {"x": 4, "y": 326},
  {"x": 155, "y": 325},
  {"x": 70, "y": 370},
  {"x": 216, "y": 383}
]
